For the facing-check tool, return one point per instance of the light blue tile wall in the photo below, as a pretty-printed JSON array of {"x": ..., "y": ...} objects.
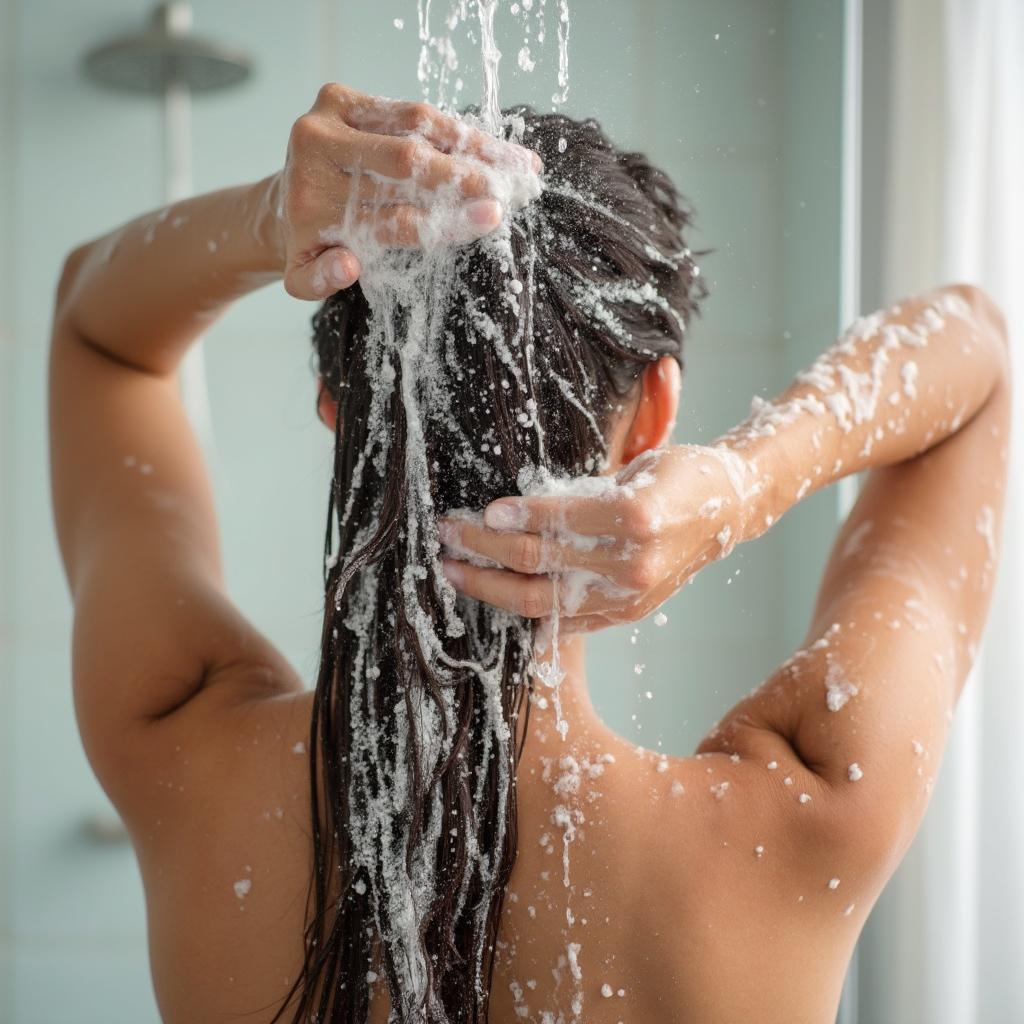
[
  {"x": 811, "y": 211},
  {"x": 8, "y": 106},
  {"x": 78, "y": 160},
  {"x": 747, "y": 124}
]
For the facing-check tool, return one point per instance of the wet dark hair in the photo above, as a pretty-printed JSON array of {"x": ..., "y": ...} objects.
[{"x": 608, "y": 287}]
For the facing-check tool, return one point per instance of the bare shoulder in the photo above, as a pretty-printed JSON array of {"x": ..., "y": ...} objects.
[
  {"x": 187, "y": 691},
  {"x": 730, "y": 868},
  {"x": 836, "y": 753},
  {"x": 224, "y": 846},
  {"x": 236, "y": 755},
  {"x": 759, "y": 822}
]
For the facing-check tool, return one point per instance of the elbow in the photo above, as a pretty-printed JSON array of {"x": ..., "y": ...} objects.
[
  {"x": 984, "y": 309},
  {"x": 70, "y": 274},
  {"x": 988, "y": 319}
]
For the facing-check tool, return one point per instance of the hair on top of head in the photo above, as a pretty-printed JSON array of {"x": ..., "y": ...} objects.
[
  {"x": 513, "y": 365},
  {"x": 608, "y": 228}
]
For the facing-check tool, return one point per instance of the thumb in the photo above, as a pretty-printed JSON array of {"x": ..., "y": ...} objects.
[{"x": 331, "y": 271}]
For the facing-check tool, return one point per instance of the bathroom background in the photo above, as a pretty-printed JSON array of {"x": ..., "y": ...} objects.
[{"x": 802, "y": 130}]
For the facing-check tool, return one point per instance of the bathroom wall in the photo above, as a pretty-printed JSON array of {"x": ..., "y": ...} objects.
[{"x": 740, "y": 101}]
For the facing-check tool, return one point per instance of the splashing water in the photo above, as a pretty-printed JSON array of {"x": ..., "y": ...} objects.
[
  {"x": 438, "y": 61},
  {"x": 438, "y": 65},
  {"x": 405, "y": 353},
  {"x": 563, "y": 54},
  {"x": 411, "y": 364},
  {"x": 491, "y": 57},
  {"x": 407, "y": 358}
]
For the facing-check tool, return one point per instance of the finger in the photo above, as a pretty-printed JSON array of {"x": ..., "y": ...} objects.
[
  {"x": 371, "y": 191},
  {"x": 406, "y": 226},
  {"x": 456, "y": 138},
  {"x": 579, "y": 593},
  {"x": 529, "y": 596},
  {"x": 445, "y": 133},
  {"x": 570, "y": 625},
  {"x": 331, "y": 271},
  {"x": 528, "y": 553},
  {"x": 397, "y": 225},
  {"x": 600, "y": 516},
  {"x": 408, "y": 159},
  {"x": 401, "y": 118}
]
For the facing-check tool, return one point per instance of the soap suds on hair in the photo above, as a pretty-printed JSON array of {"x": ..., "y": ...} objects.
[{"x": 411, "y": 364}]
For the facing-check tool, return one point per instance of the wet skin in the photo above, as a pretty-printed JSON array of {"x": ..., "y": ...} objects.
[{"x": 702, "y": 902}]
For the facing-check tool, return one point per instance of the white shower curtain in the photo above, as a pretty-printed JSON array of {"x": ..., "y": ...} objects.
[{"x": 946, "y": 942}]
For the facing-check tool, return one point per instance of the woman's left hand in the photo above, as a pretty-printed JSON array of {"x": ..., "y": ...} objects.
[{"x": 613, "y": 556}]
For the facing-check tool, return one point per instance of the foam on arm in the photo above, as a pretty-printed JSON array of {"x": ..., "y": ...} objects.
[{"x": 863, "y": 708}]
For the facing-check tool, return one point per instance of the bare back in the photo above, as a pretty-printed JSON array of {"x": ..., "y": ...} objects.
[{"x": 684, "y": 906}]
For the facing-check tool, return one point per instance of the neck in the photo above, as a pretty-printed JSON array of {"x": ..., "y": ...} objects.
[{"x": 570, "y": 700}]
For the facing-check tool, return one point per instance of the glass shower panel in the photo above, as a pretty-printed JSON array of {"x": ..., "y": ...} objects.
[{"x": 741, "y": 102}]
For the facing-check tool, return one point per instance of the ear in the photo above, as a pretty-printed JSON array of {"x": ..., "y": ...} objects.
[
  {"x": 327, "y": 409},
  {"x": 655, "y": 414}
]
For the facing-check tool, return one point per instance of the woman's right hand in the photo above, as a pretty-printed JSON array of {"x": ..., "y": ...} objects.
[{"x": 361, "y": 164}]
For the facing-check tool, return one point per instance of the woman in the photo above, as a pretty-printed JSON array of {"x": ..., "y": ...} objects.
[{"x": 581, "y": 878}]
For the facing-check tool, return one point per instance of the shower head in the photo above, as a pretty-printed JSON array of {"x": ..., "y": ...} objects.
[{"x": 164, "y": 55}]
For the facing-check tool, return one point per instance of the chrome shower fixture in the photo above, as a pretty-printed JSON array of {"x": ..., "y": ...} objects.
[{"x": 165, "y": 55}]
